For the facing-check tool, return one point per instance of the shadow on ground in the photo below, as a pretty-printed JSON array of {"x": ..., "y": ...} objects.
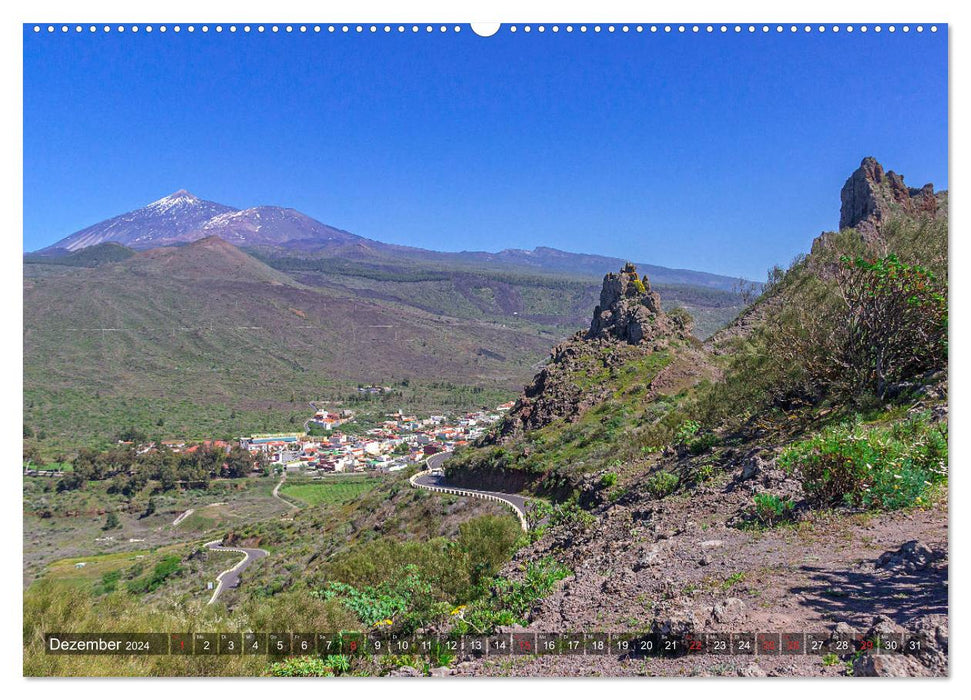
[{"x": 900, "y": 595}]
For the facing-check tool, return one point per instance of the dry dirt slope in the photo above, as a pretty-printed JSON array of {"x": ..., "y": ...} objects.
[{"x": 677, "y": 566}]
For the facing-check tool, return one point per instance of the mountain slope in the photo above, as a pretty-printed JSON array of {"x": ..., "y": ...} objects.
[
  {"x": 271, "y": 227},
  {"x": 89, "y": 256},
  {"x": 197, "y": 334},
  {"x": 182, "y": 217},
  {"x": 796, "y": 479},
  {"x": 169, "y": 218}
]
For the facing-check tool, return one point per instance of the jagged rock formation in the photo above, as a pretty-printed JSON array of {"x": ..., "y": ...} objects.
[
  {"x": 628, "y": 323},
  {"x": 630, "y": 311},
  {"x": 871, "y": 196}
]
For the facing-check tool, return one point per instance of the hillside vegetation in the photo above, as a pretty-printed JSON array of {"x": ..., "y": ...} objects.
[
  {"x": 790, "y": 473},
  {"x": 672, "y": 465},
  {"x": 205, "y": 340}
]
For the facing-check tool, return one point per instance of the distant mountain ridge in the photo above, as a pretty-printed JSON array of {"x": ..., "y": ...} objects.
[{"x": 182, "y": 218}]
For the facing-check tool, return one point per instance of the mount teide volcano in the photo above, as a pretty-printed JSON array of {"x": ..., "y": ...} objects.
[
  {"x": 182, "y": 217},
  {"x": 172, "y": 218}
]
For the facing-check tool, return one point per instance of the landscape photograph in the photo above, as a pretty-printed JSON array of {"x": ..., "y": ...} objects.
[{"x": 440, "y": 350}]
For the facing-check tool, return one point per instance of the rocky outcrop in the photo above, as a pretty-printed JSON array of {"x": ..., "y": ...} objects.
[
  {"x": 630, "y": 310},
  {"x": 627, "y": 324},
  {"x": 871, "y": 196}
]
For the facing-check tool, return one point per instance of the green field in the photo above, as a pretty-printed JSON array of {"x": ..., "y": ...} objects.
[{"x": 334, "y": 490}]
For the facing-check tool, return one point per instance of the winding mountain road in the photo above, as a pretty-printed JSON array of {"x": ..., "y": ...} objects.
[
  {"x": 230, "y": 577},
  {"x": 435, "y": 482}
]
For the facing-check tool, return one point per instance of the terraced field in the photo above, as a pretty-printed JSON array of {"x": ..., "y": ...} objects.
[{"x": 333, "y": 490}]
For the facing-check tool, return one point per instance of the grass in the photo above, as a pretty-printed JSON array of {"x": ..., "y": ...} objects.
[
  {"x": 733, "y": 580},
  {"x": 333, "y": 490},
  {"x": 595, "y": 440},
  {"x": 66, "y": 525},
  {"x": 87, "y": 572}
]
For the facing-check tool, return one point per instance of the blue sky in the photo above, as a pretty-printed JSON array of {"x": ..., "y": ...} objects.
[{"x": 723, "y": 153}]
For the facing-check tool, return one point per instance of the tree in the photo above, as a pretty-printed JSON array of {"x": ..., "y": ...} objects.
[
  {"x": 131, "y": 434},
  {"x": 746, "y": 291},
  {"x": 168, "y": 475},
  {"x": 111, "y": 521},
  {"x": 239, "y": 463},
  {"x": 263, "y": 462},
  {"x": 893, "y": 324}
]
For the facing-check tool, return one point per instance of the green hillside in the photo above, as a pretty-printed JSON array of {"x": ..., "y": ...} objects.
[
  {"x": 489, "y": 289},
  {"x": 205, "y": 338}
]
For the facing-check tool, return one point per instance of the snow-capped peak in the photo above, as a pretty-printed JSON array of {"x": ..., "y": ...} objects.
[{"x": 176, "y": 199}]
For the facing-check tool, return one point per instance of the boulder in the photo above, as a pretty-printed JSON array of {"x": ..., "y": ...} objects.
[
  {"x": 887, "y": 666},
  {"x": 883, "y": 626},
  {"x": 728, "y": 610},
  {"x": 911, "y": 557},
  {"x": 753, "y": 670},
  {"x": 931, "y": 631},
  {"x": 678, "y": 623},
  {"x": 647, "y": 558}
]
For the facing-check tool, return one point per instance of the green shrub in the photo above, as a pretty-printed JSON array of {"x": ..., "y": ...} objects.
[
  {"x": 485, "y": 544},
  {"x": 660, "y": 484},
  {"x": 109, "y": 582},
  {"x": 570, "y": 513},
  {"x": 686, "y": 431},
  {"x": 681, "y": 316},
  {"x": 871, "y": 466},
  {"x": 538, "y": 510},
  {"x": 608, "y": 479},
  {"x": 385, "y": 560},
  {"x": 383, "y": 603},
  {"x": 690, "y": 437},
  {"x": 703, "y": 472},
  {"x": 771, "y": 510},
  {"x": 301, "y": 667},
  {"x": 169, "y": 566},
  {"x": 895, "y": 326},
  {"x": 702, "y": 443},
  {"x": 510, "y": 601}
]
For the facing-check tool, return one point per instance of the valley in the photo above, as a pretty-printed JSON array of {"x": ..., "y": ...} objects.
[
  {"x": 773, "y": 476},
  {"x": 218, "y": 321}
]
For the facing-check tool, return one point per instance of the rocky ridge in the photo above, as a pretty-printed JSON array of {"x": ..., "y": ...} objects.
[
  {"x": 871, "y": 196},
  {"x": 628, "y": 323},
  {"x": 694, "y": 559}
]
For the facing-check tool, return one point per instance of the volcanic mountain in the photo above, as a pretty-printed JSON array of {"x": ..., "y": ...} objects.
[
  {"x": 274, "y": 227},
  {"x": 182, "y": 217},
  {"x": 170, "y": 218}
]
